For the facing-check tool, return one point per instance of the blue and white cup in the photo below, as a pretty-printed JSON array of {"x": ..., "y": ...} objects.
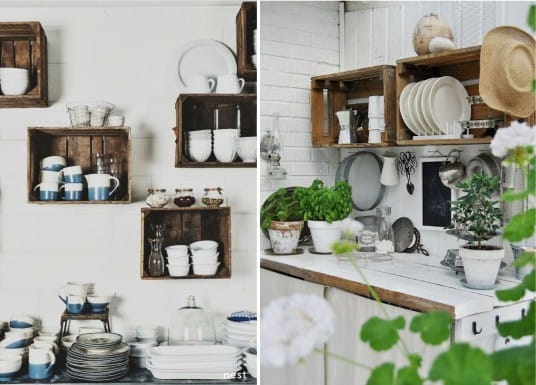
[
  {"x": 72, "y": 191},
  {"x": 14, "y": 340},
  {"x": 98, "y": 303},
  {"x": 53, "y": 163},
  {"x": 47, "y": 176},
  {"x": 10, "y": 365},
  {"x": 47, "y": 191},
  {"x": 41, "y": 362},
  {"x": 21, "y": 321},
  {"x": 75, "y": 304},
  {"x": 72, "y": 174},
  {"x": 99, "y": 186}
]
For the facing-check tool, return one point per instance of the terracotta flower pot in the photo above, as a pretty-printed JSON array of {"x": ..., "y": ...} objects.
[{"x": 284, "y": 236}]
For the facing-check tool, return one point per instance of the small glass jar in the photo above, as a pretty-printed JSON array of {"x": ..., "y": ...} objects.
[
  {"x": 184, "y": 197},
  {"x": 385, "y": 240},
  {"x": 157, "y": 198},
  {"x": 213, "y": 197}
]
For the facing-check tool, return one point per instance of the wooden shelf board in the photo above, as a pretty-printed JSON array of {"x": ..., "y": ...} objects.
[
  {"x": 425, "y": 142},
  {"x": 352, "y": 75},
  {"x": 444, "y": 58},
  {"x": 356, "y": 145},
  {"x": 217, "y": 164}
]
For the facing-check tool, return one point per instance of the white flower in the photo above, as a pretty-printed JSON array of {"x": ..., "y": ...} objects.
[
  {"x": 508, "y": 138},
  {"x": 351, "y": 228},
  {"x": 291, "y": 327}
]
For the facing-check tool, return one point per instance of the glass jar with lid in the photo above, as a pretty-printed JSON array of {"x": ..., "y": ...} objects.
[
  {"x": 157, "y": 198},
  {"x": 191, "y": 325},
  {"x": 184, "y": 197},
  {"x": 213, "y": 197}
]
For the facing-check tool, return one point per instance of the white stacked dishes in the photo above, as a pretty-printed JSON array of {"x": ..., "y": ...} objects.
[
  {"x": 10, "y": 364},
  {"x": 225, "y": 144},
  {"x": 178, "y": 260},
  {"x": 241, "y": 329},
  {"x": 204, "y": 257},
  {"x": 147, "y": 333},
  {"x": 138, "y": 352},
  {"x": 14, "y": 81},
  {"x": 194, "y": 362},
  {"x": 250, "y": 361},
  {"x": 247, "y": 148},
  {"x": 98, "y": 357},
  {"x": 200, "y": 145}
]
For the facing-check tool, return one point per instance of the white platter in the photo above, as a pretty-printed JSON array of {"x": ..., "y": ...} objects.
[
  {"x": 205, "y": 57},
  {"x": 424, "y": 107},
  {"x": 403, "y": 103},
  {"x": 219, "y": 366},
  {"x": 194, "y": 350},
  {"x": 417, "y": 110},
  {"x": 448, "y": 102},
  {"x": 410, "y": 101}
]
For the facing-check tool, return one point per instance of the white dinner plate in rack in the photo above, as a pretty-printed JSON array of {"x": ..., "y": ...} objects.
[
  {"x": 205, "y": 57},
  {"x": 448, "y": 102},
  {"x": 403, "y": 104},
  {"x": 424, "y": 107},
  {"x": 414, "y": 127},
  {"x": 417, "y": 111}
]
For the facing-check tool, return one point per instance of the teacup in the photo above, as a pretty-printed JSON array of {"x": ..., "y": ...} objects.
[
  {"x": 199, "y": 84},
  {"x": 75, "y": 304},
  {"x": 40, "y": 362},
  {"x": 21, "y": 321},
  {"x": 99, "y": 186},
  {"x": 47, "y": 191},
  {"x": 41, "y": 342},
  {"x": 73, "y": 191},
  {"x": 230, "y": 84},
  {"x": 53, "y": 163},
  {"x": 98, "y": 303},
  {"x": 14, "y": 340},
  {"x": 72, "y": 174},
  {"x": 47, "y": 176}
]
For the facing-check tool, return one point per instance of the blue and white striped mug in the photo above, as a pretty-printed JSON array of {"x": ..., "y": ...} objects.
[
  {"x": 99, "y": 186},
  {"x": 47, "y": 191},
  {"x": 72, "y": 191}
]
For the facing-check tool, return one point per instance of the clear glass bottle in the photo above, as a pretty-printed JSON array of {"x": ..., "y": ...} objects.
[
  {"x": 191, "y": 325},
  {"x": 385, "y": 245},
  {"x": 156, "y": 258},
  {"x": 184, "y": 197}
]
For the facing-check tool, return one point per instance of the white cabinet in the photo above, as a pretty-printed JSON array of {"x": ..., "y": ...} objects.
[
  {"x": 311, "y": 370},
  {"x": 352, "y": 311}
]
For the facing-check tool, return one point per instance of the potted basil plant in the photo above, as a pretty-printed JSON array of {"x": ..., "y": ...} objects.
[
  {"x": 281, "y": 215},
  {"x": 476, "y": 217},
  {"x": 324, "y": 208}
]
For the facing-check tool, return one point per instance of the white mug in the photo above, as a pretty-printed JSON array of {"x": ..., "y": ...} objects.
[
  {"x": 230, "y": 84},
  {"x": 99, "y": 186},
  {"x": 50, "y": 345},
  {"x": 41, "y": 362},
  {"x": 199, "y": 84},
  {"x": 48, "y": 176}
]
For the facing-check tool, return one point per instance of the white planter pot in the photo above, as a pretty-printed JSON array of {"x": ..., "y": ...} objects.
[
  {"x": 284, "y": 236},
  {"x": 481, "y": 266},
  {"x": 324, "y": 234}
]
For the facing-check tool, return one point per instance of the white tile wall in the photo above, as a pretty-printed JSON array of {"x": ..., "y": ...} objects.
[{"x": 126, "y": 54}]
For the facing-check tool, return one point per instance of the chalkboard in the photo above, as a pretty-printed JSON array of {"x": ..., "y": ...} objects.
[{"x": 435, "y": 197}]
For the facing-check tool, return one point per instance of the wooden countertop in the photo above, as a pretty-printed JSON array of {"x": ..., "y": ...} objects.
[{"x": 412, "y": 281}]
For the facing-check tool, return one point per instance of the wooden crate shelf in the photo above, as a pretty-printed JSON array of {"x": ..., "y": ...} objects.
[
  {"x": 196, "y": 112},
  {"x": 184, "y": 226},
  {"x": 246, "y": 22},
  {"x": 338, "y": 89},
  {"x": 462, "y": 64},
  {"x": 24, "y": 45},
  {"x": 78, "y": 146}
]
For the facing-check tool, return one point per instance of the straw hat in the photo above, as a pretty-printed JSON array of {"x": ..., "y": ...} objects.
[{"x": 507, "y": 70}]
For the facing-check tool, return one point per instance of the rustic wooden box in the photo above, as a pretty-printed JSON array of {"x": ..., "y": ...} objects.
[
  {"x": 462, "y": 64},
  {"x": 331, "y": 93},
  {"x": 246, "y": 22},
  {"x": 196, "y": 112},
  {"x": 78, "y": 146},
  {"x": 24, "y": 45},
  {"x": 184, "y": 226}
]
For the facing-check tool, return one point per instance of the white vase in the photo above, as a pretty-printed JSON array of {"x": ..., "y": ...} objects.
[
  {"x": 284, "y": 236},
  {"x": 324, "y": 234},
  {"x": 481, "y": 266}
]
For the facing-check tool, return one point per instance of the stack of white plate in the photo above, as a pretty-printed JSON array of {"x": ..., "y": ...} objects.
[
  {"x": 194, "y": 362},
  {"x": 434, "y": 107},
  {"x": 241, "y": 329},
  {"x": 98, "y": 357}
]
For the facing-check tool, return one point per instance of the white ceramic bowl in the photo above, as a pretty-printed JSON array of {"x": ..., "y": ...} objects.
[
  {"x": 204, "y": 252},
  {"x": 226, "y": 131},
  {"x": 200, "y": 155},
  {"x": 14, "y": 81},
  {"x": 178, "y": 270},
  {"x": 224, "y": 154},
  {"x": 10, "y": 365},
  {"x": 208, "y": 259},
  {"x": 205, "y": 269},
  {"x": 67, "y": 341},
  {"x": 147, "y": 332},
  {"x": 247, "y": 150},
  {"x": 203, "y": 245},
  {"x": 179, "y": 261},
  {"x": 139, "y": 349},
  {"x": 177, "y": 251},
  {"x": 200, "y": 132}
]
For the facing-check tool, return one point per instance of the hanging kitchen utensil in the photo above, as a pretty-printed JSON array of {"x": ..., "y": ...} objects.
[
  {"x": 403, "y": 233},
  {"x": 407, "y": 163},
  {"x": 451, "y": 173},
  {"x": 416, "y": 245}
]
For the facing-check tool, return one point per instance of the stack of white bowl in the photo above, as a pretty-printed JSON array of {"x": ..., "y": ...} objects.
[
  {"x": 250, "y": 356},
  {"x": 14, "y": 81},
  {"x": 205, "y": 257},
  {"x": 247, "y": 148},
  {"x": 225, "y": 141},
  {"x": 178, "y": 260},
  {"x": 200, "y": 145}
]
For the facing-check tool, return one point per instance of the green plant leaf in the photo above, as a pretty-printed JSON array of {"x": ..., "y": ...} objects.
[
  {"x": 382, "y": 334},
  {"x": 516, "y": 365},
  {"x": 462, "y": 364},
  {"x": 408, "y": 376},
  {"x": 415, "y": 360},
  {"x": 532, "y": 18},
  {"x": 510, "y": 196},
  {"x": 526, "y": 258},
  {"x": 513, "y": 294},
  {"x": 434, "y": 327},
  {"x": 382, "y": 375},
  {"x": 529, "y": 280},
  {"x": 517, "y": 329},
  {"x": 521, "y": 226}
]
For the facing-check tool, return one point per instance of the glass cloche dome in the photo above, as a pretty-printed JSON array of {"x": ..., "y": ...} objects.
[{"x": 191, "y": 325}]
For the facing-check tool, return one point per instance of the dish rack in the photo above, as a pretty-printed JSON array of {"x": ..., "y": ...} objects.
[{"x": 467, "y": 125}]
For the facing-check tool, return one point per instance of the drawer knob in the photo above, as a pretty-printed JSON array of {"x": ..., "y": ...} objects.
[
  {"x": 475, "y": 331},
  {"x": 523, "y": 313}
]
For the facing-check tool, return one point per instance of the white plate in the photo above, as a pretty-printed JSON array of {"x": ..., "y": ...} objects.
[
  {"x": 447, "y": 102},
  {"x": 403, "y": 104},
  {"x": 174, "y": 375},
  {"x": 424, "y": 107},
  {"x": 410, "y": 101},
  {"x": 417, "y": 111},
  {"x": 192, "y": 365},
  {"x": 206, "y": 57},
  {"x": 194, "y": 350}
]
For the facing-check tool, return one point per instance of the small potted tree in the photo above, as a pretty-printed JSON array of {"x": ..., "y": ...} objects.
[
  {"x": 476, "y": 217},
  {"x": 281, "y": 215},
  {"x": 324, "y": 208}
]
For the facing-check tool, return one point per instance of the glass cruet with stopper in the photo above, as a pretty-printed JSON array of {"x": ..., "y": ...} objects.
[
  {"x": 156, "y": 259},
  {"x": 385, "y": 238},
  {"x": 191, "y": 325}
]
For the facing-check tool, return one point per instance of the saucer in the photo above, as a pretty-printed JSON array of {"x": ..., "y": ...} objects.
[
  {"x": 313, "y": 251},
  {"x": 297, "y": 250},
  {"x": 465, "y": 284}
]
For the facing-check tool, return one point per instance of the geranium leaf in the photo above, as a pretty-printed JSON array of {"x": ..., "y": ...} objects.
[
  {"x": 408, "y": 376},
  {"x": 528, "y": 257},
  {"x": 434, "y": 327},
  {"x": 516, "y": 365},
  {"x": 529, "y": 280},
  {"x": 520, "y": 328},
  {"x": 462, "y": 365},
  {"x": 521, "y": 226},
  {"x": 382, "y": 375},
  {"x": 415, "y": 360},
  {"x": 510, "y": 196},
  {"x": 382, "y": 334},
  {"x": 532, "y": 19},
  {"x": 513, "y": 294}
]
